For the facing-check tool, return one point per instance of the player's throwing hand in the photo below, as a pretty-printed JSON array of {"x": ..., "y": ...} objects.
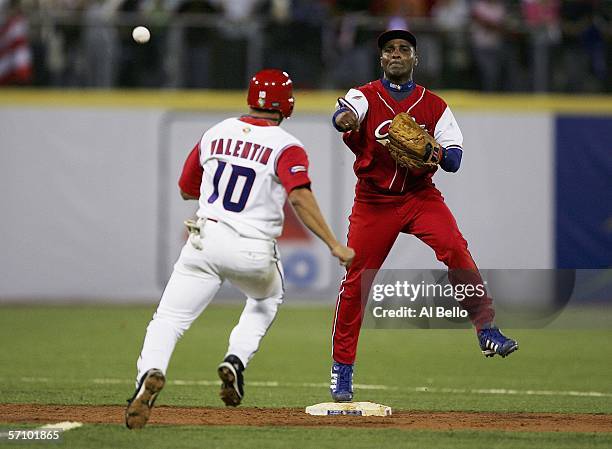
[{"x": 347, "y": 121}]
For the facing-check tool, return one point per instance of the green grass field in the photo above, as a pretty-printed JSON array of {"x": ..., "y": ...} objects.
[{"x": 87, "y": 355}]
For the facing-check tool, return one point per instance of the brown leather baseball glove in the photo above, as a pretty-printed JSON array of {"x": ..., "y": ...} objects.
[{"x": 410, "y": 145}]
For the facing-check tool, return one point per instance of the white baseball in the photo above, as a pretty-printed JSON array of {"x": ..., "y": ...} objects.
[{"x": 141, "y": 34}]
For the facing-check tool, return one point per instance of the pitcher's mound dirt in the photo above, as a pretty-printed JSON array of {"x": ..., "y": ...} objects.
[{"x": 248, "y": 416}]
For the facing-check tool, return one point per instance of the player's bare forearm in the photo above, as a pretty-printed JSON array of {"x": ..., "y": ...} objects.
[{"x": 307, "y": 209}]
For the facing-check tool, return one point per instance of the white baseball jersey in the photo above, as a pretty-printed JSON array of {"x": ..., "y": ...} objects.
[{"x": 239, "y": 182}]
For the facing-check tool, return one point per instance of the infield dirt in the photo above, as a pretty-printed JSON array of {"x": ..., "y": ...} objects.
[{"x": 401, "y": 419}]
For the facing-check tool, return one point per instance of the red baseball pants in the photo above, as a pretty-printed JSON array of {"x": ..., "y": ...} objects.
[{"x": 374, "y": 224}]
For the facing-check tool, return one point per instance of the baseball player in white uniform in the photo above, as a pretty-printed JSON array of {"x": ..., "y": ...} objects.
[{"x": 241, "y": 171}]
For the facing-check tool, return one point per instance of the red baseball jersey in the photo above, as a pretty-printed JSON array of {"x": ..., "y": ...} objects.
[{"x": 376, "y": 108}]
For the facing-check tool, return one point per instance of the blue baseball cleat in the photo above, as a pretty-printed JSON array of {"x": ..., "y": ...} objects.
[
  {"x": 492, "y": 342},
  {"x": 341, "y": 387}
]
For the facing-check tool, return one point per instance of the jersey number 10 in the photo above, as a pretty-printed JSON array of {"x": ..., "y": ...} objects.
[{"x": 237, "y": 171}]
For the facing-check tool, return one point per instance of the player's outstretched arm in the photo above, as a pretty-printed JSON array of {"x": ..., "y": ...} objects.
[
  {"x": 350, "y": 111},
  {"x": 307, "y": 209}
]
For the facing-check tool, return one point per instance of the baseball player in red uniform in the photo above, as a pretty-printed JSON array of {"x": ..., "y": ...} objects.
[
  {"x": 390, "y": 199},
  {"x": 241, "y": 172}
]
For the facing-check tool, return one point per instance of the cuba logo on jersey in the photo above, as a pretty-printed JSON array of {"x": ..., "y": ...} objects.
[{"x": 382, "y": 132}]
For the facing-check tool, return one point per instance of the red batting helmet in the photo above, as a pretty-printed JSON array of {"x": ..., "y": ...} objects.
[{"x": 271, "y": 89}]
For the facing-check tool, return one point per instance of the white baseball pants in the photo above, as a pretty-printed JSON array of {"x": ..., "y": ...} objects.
[{"x": 252, "y": 265}]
